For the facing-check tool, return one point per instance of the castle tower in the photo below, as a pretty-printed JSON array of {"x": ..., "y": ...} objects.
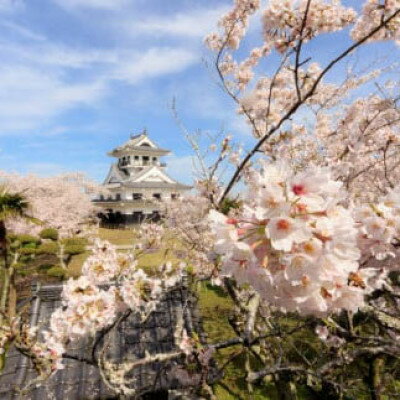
[{"x": 137, "y": 183}]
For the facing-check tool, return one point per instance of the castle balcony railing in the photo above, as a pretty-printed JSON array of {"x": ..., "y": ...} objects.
[
  {"x": 135, "y": 202},
  {"x": 142, "y": 164}
]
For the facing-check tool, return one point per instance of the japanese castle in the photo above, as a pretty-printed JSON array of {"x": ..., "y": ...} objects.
[{"x": 137, "y": 183}]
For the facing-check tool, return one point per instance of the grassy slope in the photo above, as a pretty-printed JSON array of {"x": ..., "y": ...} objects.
[
  {"x": 117, "y": 236},
  {"x": 215, "y": 308}
]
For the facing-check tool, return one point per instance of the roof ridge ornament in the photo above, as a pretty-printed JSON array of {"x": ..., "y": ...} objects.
[{"x": 144, "y": 132}]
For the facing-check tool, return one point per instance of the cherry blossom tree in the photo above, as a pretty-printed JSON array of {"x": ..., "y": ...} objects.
[
  {"x": 61, "y": 202},
  {"x": 311, "y": 253}
]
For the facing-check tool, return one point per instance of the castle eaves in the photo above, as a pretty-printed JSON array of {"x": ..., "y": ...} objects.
[
  {"x": 127, "y": 150},
  {"x": 161, "y": 185}
]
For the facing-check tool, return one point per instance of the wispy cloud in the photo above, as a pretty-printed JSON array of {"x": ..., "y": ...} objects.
[
  {"x": 22, "y": 31},
  {"x": 108, "y": 5},
  {"x": 8, "y": 6},
  {"x": 28, "y": 96},
  {"x": 57, "y": 55},
  {"x": 156, "y": 62},
  {"x": 34, "y": 88},
  {"x": 191, "y": 24}
]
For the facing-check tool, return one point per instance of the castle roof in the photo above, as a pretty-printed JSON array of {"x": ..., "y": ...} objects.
[
  {"x": 163, "y": 185},
  {"x": 139, "y": 144},
  {"x": 149, "y": 177}
]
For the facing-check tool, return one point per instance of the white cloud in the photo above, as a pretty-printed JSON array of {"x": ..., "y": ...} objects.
[
  {"x": 28, "y": 97},
  {"x": 108, "y": 5},
  {"x": 22, "y": 31},
  {"x": 36, "y": 84},
  {"x": 196, "y": 23},
  {"x": 57, "y": 55},
  {"x": 8, "y": 6},
  {"x": 43, "y": 77},
  {"x": 155, "y": 62}
]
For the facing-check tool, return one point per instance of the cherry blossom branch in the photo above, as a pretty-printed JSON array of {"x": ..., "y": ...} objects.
[
  {"x": 298, "y": 50},
  {"x": 296, "y": 106}
]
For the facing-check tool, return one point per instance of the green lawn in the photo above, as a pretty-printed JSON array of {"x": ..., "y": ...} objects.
[
  {"x": 75, "y": 265},
  {"x": 216, "y": 307},
  {"x": 117, "y": 236}
]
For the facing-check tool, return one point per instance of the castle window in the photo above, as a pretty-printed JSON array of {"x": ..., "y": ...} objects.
[
  {"x": 145, "y": 160},
  {"x": 137, "y": 196},
  {"x": 157, "y": 196},
  {"x": 174, "y": 196},
  {"x": 118, "y": 196}
]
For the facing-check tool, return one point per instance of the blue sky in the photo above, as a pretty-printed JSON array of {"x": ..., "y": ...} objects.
[{"x": 78, "y": 76}]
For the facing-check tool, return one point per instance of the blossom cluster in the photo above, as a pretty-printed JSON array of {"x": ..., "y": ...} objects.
[
  {"x": 234, "y": 25},
  {"x": 111, "y": 282},
  {"x": 362, "y": 145},
  {"x": 149, "y": 235},
  {"x": 285, "y": 22},
  {"x": 187, "y": 221},
  {"x": 380, "y": 225},
  {"x": 45, "y": 359},
  {"x": 271, "y": 98},
  {"x": 374, "y": 11},
  {"x": 295, "y": 242}
]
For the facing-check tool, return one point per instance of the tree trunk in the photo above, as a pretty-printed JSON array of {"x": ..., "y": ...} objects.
[
  {"x": 12, "y": 294},
  {"x": 5, "y": 272},
  {"x": 61, "y": 254},
  {"x": 3, "y": 243},
  {"x": 329, "y": 392},
  {"x": 375, "y": 377},
  {"x": 285, "y": 387}
]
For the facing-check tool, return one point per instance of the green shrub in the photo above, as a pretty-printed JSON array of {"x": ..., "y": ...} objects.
[
  {"x": 30, "y": 246},
  {"x": 19, "y": 265},
  {"x": 48, "y": 248},
  {"x": 24, "y": 239},
  {"x": 27, "y": 250},
  {"x": 74, "y": 249},
  {"x": 49, "y": 233},
  {"x": 15, "y": 244},
  {"x": 45, "y": 267},
  {"x": 56, "y": 272},
  {"x": 12, "y": 236}
]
